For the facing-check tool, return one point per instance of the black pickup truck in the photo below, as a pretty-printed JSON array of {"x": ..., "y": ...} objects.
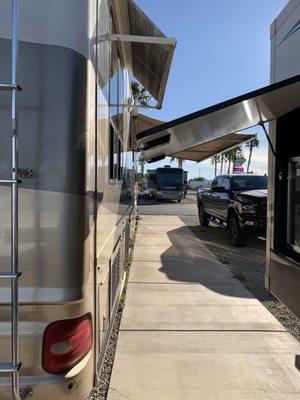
[{"x": 236, "y": 202}]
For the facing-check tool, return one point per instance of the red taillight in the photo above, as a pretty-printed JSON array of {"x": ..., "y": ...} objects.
[{"x": 66, "y": 342}]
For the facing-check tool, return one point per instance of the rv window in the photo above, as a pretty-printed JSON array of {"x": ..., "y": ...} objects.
[
  {"x": 293, "y": 227},
  {"x": 120, "y": 160},
  {"x": 115, "y": 156}
]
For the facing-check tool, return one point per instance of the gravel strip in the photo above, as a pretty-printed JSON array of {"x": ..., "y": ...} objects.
[
  {"x": 248, "y": 265},
  {"x": 100, "y": 392}
]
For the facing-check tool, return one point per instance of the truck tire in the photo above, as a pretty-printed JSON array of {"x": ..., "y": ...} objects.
[
  {"x": 237, "y": 237},
  {"x": 203, "y": 219}
]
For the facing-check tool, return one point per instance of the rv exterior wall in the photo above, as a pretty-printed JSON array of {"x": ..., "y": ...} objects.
[
  {"x": 282, "y": 276},
  {"x": 74, "y": 219}
]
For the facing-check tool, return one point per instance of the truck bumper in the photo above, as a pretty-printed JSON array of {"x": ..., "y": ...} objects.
[{"x": 251, "y": 224}]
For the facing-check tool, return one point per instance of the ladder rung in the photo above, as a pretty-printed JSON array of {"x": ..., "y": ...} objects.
[
  {"x": 8, "y": 367},
  {"x": 7, "y": 86},
  {"x": 9, "y": 275},
  {"x": 9, "y": 181}
]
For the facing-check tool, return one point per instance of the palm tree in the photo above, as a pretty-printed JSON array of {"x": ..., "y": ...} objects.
[
  {"x": 237, "y": 152},
  {"x": 231, "y": 155},
  {"x": 251, "y": 145},
  {"x": 214, "y": 160},
  {"x": 140, "y": 94},
  {"x": 222, "y": 163},
  {"x": 142, "y": 161},
  {"x": 228, "y": 155},
  {"x": 179, "y": 160}
]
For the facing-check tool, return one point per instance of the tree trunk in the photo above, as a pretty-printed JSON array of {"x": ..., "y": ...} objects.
[
  {"x": 228, "y": 169},
  {"x": 222, "y": 161},
  {"x": 180, "y": 163},
  {"x": 249, "y": 159},
  {"x": 142, "y": 169},
  {"x": 215, "y": 167},
  {"x": 233, "y": 164}
]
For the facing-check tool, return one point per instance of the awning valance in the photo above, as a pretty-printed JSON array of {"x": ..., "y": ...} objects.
[
  {"x": 199, "y": 135},
  {"x": 148, "y": 52}
]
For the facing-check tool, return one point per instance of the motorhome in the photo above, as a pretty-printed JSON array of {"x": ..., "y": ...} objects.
[
  {"x": 169, "y": 184},
  {"x": 67, "y": 183},
  {"x": 283, "y": 239},
  {"x": 151, "y": 182}
]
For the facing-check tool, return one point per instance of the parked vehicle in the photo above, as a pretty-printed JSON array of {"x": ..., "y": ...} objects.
[
  {"x": 185, "y": 182},
  {"x": 151, "y": 182},
  {"x": 236, "y": 202},
  {"x": 194, "y": 185},
  {"x": 170, "y": 184}
]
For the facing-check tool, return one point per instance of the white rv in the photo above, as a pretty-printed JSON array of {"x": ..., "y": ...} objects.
[
  {"x": 283, "y": 239},
  {"x": 67, "y": 183}
]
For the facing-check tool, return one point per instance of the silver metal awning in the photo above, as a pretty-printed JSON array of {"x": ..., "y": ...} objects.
[
  {"x": 204, "y": 133},
  {"x": 140, "y": 123},
  {"x": 148, "y": 52}
]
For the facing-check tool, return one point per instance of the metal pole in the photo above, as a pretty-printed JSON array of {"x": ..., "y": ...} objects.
[{"x": 14, "y": 195}]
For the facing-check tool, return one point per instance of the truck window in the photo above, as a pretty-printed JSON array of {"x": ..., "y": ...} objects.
[
  {"x": 248, "y": 182},
  {"x": 214, "y": 183},
  {"x": 226, "y": 183},
  {"x": 220, "y": 181}
]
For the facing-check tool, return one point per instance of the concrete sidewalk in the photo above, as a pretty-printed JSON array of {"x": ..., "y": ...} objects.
[{"x": 191, "y": 331}]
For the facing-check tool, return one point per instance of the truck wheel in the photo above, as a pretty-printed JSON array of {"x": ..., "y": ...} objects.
[
  {"x": 203, "y": 220},
  {"x": 237, "y": 238}
]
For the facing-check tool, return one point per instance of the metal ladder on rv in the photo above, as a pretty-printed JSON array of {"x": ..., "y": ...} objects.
[{"x": 14, "y": 365}]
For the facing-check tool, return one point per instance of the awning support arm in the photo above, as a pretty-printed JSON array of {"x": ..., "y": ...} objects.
[
  {"x": 115, "y": 37},
  {"x": 261, "y": 123}
]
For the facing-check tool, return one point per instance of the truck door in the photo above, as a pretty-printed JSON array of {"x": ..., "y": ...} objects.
[
  {"x": 224, "y": 199},
  {"x": 209, "y": 198},
  {"x": 216, "y": 197}
]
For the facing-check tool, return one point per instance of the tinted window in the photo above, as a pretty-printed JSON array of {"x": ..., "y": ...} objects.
[
  {"x": 226, "y": 183},
  {"x": 170, "y": 178},
  {"x": 248, "y": 182},
  {"x": 220, "y": 181},
  {"x": 115, "y": 156},
  {"x": 214, "y": 182}
]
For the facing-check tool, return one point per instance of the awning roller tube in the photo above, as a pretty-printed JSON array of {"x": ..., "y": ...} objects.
[{"x": 191, "y": 135}]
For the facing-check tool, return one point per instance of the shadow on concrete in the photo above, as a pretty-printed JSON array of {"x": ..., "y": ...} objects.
[{"x": 187, "y": 260}]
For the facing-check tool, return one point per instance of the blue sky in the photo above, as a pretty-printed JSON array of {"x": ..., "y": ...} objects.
[{"x": 223, "y": 50}]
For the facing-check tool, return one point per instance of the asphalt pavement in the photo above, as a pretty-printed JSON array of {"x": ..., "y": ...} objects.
[{"x": 187, "y": 207}]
